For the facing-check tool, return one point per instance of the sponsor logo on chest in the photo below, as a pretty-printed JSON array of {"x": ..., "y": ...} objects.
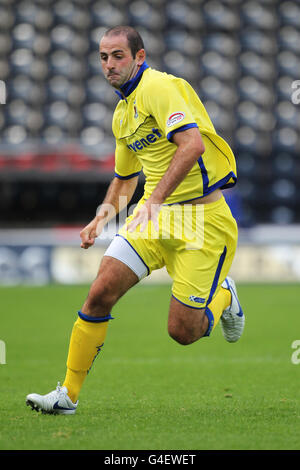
[{"x": 145, "y": 141}]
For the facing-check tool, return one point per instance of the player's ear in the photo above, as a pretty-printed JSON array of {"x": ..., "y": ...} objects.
[{"x": 140, "y": 56}]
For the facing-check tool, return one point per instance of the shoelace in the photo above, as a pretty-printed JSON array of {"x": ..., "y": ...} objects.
[{"x": 59, "y": 390}]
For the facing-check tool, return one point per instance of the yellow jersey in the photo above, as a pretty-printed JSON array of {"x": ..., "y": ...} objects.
[{"x": 153, "y": 106}]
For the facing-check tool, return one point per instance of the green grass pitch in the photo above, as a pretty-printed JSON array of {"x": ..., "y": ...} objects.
[{"x": 144, "y": 390}]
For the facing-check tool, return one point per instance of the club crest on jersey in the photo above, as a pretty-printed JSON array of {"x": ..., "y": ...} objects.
[{"x": 175, "y": 118}]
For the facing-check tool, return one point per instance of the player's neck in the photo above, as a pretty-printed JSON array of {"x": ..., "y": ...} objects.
[{"x": 131, "y": 76}]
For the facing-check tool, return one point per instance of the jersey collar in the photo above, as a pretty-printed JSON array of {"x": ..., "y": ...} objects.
[{"x": 128, "y": 87}]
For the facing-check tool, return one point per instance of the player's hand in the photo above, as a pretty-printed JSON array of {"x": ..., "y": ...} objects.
[
  {"x": 91, "y": 232},
  {"x": 147, "y": 212}
]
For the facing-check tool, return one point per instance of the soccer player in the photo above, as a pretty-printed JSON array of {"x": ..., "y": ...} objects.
[{"x": 182, "y": 221}]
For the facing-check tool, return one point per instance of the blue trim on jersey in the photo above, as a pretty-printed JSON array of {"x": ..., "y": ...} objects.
[
  {"x": 205, "y": 179},
  {"x": 91, "y": 319},
  {"x": 214, "y": 286},
  {"x": 217, "y": 275},
  {"x": 219, "y": 184},
  {"x": 180, "y": 129},
  {"x": 223, "y": 183},
  {"x": 128, "y": 176},
  {"x": 118, "y": 235},
  {"x": 211, "y": 321},
  {"x": 128, "y": 87}
]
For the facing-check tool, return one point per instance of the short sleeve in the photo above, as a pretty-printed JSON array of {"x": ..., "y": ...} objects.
[
  {"x": 127, "y": 165},
  {"x": 167, "y": 102}
]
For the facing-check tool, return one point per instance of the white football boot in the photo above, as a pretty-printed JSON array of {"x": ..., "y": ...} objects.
[
  {"x": 233, "y": 318},
  {"x": 56, "y": 402}
]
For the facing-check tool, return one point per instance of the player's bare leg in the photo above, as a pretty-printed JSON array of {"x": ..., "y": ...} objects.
[
  {"x": 186, "y": 324},
  {"x": 89, "y": 331},
  {"x": 113, "y": 280}
]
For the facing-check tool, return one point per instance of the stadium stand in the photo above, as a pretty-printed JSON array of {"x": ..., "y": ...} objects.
[{"x": 56, "y": 144}]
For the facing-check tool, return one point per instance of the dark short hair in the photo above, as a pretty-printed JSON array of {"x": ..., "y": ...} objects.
[{"x": 134, "y": 39}]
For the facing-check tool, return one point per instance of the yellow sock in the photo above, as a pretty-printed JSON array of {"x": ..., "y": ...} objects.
[
  {"x": 74, "y": 381},
  {"x": 86, "y": 341},
  {"x": 217, "y": 306}
]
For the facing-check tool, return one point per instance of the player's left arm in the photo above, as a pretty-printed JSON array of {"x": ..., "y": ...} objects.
[{"x": 190, "y": 147}]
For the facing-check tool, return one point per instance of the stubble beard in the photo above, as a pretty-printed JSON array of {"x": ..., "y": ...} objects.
[{"x": 119, "y": 80}]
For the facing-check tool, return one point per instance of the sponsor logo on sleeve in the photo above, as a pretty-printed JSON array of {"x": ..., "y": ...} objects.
[{"x": 175, "y": 118}]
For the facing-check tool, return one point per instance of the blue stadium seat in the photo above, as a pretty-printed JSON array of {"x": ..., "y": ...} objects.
[
  {"x": 288, "y": 63},
  {"x": 69, "y": 13},
  {"x": 179, "y": 64},
  {"x": 94, "y": 114},
  {"x": 95, "y": 36},
  {"x": 97, "y": 89},
  {"x": 289, "y": 13},
  {"x": 286, "y": 139},
  {"x": 287, "y": 114},
  {"x": 30, "y": 92},
  {"x": 264, "y": 16},
  {"x": 223, "y": 43},
  {"x": 7, "y": 18},
  {"x": 221, "y": 117},
  {"x": 213, "y": 88},
  {"x": 214, "y": 63},
  {"x": 257, "y": 117},
  {"x": 182, "y": 41},
  {"x": 105, "y": 13},
  {"x": 15, "y": 135},
  {"x": 23, "y": 36},
  {"x": 284, "y": 87},
  {"x": 288, "y": 38},
  {"x": 250, "y": 88},
  {"x": 181, "y": 14},
  {"x": 62, "y": 62},
  {"x": 258, "y": 41},
  {"x": 261, "y": 67},
  {"x": 252, "y": 140},
  {"x": 220, "y": 15}
]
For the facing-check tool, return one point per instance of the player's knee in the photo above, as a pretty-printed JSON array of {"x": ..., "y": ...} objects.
[
  {"x": 181, "y": 339},
  {"x": 181, "y": 335},
  {"x": 101, "y": 298},
  {"x": 186, "y": 334}
]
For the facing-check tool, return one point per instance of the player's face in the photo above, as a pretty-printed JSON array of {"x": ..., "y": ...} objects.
[{"x": 117, "y": 62}]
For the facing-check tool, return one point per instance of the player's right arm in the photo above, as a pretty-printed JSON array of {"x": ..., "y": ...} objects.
[
  {"x": 119, "y": 193},
  {"x": 118, "y": 196}
]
